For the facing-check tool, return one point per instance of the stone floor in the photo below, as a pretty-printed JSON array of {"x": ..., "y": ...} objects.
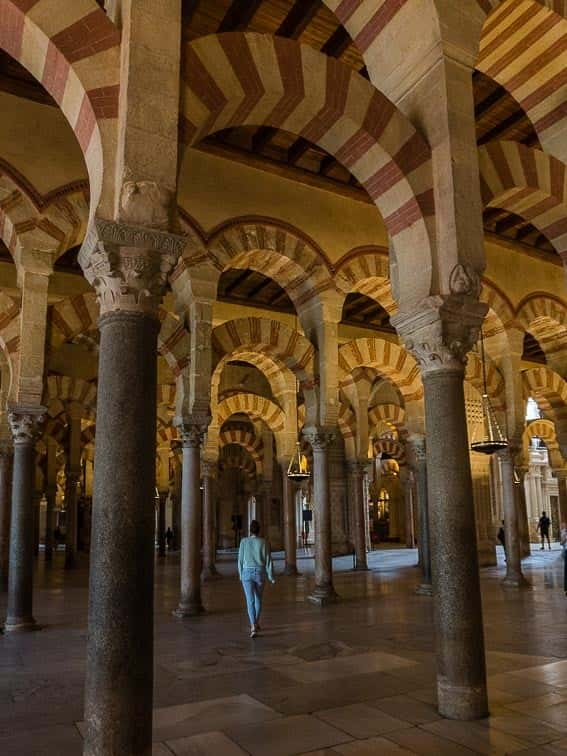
[{"x": 354, "y": 679}]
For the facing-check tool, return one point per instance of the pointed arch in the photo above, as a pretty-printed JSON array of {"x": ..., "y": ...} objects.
[{"x": 240, "y": 79}]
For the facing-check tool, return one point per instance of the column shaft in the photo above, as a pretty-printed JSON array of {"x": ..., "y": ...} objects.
[
  {"x": 6, "y": 461},
  {"x": 514, "y": 576},
  {"x": 25, "y": 428},
  {"x": 358, "y": 518},
  {"x": 209, "y": 546},
  {"x": 119, "y": 675},
  {"x": 324, "y": 591},
  {"x": 289, "y": 522},
  {"x": 424, "y": 540},
  {"x": 50, "y": 495},
  {"x": 461, "y": 680},
  {"x": 190, "y": 598},
  {"x": 161, "y": 523}
]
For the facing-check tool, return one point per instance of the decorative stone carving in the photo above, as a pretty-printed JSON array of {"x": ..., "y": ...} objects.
[
  {"x": 319, "y": 438},
  {"x": 191, "y": 435},
  {"x": 145, "y": 203},
  {"x": 27, "y": 425},
  {"x": 465, "y": 281},
  {"x": 417, "y": 450},
  {"x": 128, "y": 266},
  {"x": 441, "y": 331}
]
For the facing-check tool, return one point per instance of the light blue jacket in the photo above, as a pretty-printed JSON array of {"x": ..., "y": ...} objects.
[{"x": 254, "y": 554}]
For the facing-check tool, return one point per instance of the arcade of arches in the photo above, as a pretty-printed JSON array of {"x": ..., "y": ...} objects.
[{"x": 227, "y": 226}]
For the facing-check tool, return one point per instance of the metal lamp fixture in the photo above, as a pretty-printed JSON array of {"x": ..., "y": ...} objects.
[
  {"x": 298, "y": 470},
  {"x": 493, "y": 439}
]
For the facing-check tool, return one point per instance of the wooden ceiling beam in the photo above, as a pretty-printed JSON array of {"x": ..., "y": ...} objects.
[
  {"x": 484, "y": 105},
  {"x": 239, "y": 15},
  {"x": 507, "y": 224},
  {"x": 259, "y": 287},
  {"x": 263, "y": 137},
  {"x": 236, "y": 283},
  {"x": 299, "y": 18},
  {"x": 502, "y": 127}
]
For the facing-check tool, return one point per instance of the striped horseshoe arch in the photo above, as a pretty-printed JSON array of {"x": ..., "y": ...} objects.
[
  {"x": 246, "y": 79},
  {"x": 76, "y": 57}
]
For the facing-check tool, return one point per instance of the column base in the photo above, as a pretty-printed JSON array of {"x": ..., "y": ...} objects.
[
  {"x": 193, "y": 609},
  {"x": 462, "y": 703},
  {"x": 210, "y": 573},
  {"x": 516, "y": 582},
  {"x": 323, "y": 596},
  {"x": 425, "y": 589},
  {"x": 291, "y": 569},
  {"x": 361, "y": 568},
  {"x": 21, "y": 625}
]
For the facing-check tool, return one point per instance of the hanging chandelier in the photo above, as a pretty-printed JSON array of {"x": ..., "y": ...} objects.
[
  {"x": 493, "y": 439},
  {"x": 298, "y": 469}
]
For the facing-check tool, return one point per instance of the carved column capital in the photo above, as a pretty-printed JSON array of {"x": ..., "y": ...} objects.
[
  {"x": 128, "y": 266},
  {"x": 441, "y": 331},
  {"x": 319, "y": 438},
  {"x": 26, "y": 424},
  {"x": 417, "y": 450},
  {"x": 191, "y": 435}
]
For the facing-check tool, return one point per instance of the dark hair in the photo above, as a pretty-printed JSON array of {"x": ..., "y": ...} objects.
[{"x": 255, "y": 527}]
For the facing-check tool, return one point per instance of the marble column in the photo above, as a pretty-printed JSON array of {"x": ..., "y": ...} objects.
[
  {"x": 266, "y": 512},
  {"x": 514, "y": 577},
  {"x": 176, "y": 507},
  {"x": 128, "y": 266},
  {"x": 26, "y": 424},
  {"x": 6, "y": 461},
  {"x": 461, "y": 678},
  {"x": 561, "y": 476},
  {"x": 50, "y": 496},
  {"x": 190, "y": 603},
  {"x": 289, "y": 522},
  {"x": 418, "y": 461},
  {"x": 36, "y": 498},
  {"x": 73, "y": 477},
  {"x": 520, "y": 493},
  {"x": 356, "y": 470},
  {"x": 324, "y": 591},
  {"x": 209, "y": 571},
  {"x": 161, "y": 523}
]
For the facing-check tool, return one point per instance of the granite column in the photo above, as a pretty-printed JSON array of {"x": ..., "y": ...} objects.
[
  {"x": 210, "y": 571},
  {"x": 6, "y": 461},
  {"x": 356, "y": 470},
  {"x": 289, "y": 522},
  {"x": 514, "y": 577},
  {"x": 418, "y": 461}
]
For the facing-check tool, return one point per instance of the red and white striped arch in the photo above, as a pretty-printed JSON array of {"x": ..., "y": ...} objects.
[
  {"x": 524, "y": 48},
  {"x": 545, "y": 430},
  {"x": 61, "y": 389},
  {"x": 530, "y": 184},
  {"x": 240, "y": 79},
  {"x": 365, "y": 270},
  {"x": 245, "y": 439},
  {"x": 545, "y": 317},
  {"x": 550, "y": 392},
  {"x": 73, "y": 49},
  {"x": 388, "y": 359}
]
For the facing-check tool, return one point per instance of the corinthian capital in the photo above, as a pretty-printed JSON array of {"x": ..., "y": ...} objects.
[
  {"x": 26, "y": 424},
  {"x": 441, "y": 331},
  {"x": 128, "y": 266},
  {"x": 319, "y": 438}
]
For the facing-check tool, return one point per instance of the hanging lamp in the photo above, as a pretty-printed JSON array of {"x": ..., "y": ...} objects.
[
  {"x": 298, "y": 469},
  {"x": 493, "y": 439}
]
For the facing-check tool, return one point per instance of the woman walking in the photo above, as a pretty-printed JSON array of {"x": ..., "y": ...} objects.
[{"x": 254, "y": 566}]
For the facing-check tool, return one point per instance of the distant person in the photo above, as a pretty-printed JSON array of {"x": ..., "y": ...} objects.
[
  {"x": 563, "y": 538},
  {"x": 254, "y": 566},
  {"x": 543, "y": 528},
  {"x": 169, "y": 538},
  {"x": 501, "y": 535}
]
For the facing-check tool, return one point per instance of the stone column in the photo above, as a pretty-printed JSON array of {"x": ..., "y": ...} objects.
[
  {"x": 36, "y": 498},
  {"x": 210, "y": 571},
  {"x": 176, "y": 508},
  {"x": 440, "y": 335},
  {"x": 6, "y": 461},
  {"x": 161, "y": 523},
  {"x": 514, "y": 577},
  {"x": 520, "y": 494},
  {"x": 418, "y": 461},
  {"x": 356, "y": 470},
  {"x": 50, "y": 496},
  {"x": 128, "y": 266},
  {"x": 190, "y": 597},
  {"x": 266, "y": 511},
  {"x": 289, "y": 522},
  {"x": 26, "y": 426},
  {"x": 73, "y": 477},
  {"x": 561, "y": 476},
  {"x": 324, "y": 591}
]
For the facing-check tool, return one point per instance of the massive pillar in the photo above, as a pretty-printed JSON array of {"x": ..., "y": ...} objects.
[
  {"x": 356, "y": 470},
  {"x": 514, "y": 577},
  {"x": 289, "y": 522},
  {"x": 6, "y": 460},
  {"x": 210, "y": 571},
  {"x": 190, "y": 596},
  {"x": 128, "y": 267},
  {"x": 324, "y": 591},
  {"x": 36, "y": 499},
  {"x": 161, "y": 523},
  {"x": 73, "y": 477},
  {"x": 418, "y": 461},
  {"x": 26, "y": 426},
  {"x": 440, "y": 335}
]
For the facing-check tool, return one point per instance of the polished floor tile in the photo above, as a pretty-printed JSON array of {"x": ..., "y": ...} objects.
[
  {"x": 478, "y": 737},
  {"x": 205, "y": 744},
  {"x": 408, "y": 709},
  {"x": 361, "y": 721}
]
